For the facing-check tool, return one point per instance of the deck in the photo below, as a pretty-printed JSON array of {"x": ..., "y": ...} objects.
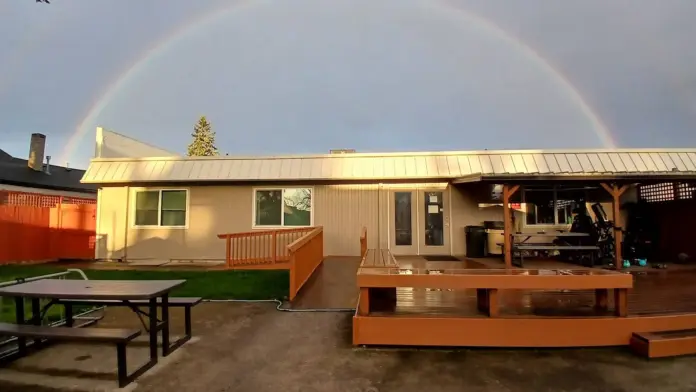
[
  {"x": 655, "y": 293},
  {"x": 659, "y": 300}
]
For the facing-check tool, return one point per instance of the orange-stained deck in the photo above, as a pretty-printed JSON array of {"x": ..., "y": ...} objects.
[
  {"x": 659, "y": 300},
  {"x": 655, "y": 293}
]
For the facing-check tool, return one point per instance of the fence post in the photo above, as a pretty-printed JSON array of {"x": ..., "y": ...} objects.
[
  {"x": 228, "y": 251},
  {"x": 274, "y": 244}
]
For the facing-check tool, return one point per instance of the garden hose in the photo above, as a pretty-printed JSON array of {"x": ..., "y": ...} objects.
[{"x": 280, "y": 304}]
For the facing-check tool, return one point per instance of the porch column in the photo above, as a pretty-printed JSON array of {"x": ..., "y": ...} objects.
[
  {"x": 615, "y": 191},
  {"x": 508, "y": 191}
]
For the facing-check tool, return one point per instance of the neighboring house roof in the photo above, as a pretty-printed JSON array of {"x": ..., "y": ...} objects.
[
  {"x": 110, "y": 144},
  {"x": 15, "y": 171},
  {"x": 454, "y": 166}
]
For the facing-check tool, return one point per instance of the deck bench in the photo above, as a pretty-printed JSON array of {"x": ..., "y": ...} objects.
[
  {"x": 174, "y": 302},
  {"x": 119, "y": 337},
  {"x": 488, "y": 283},
  {"x": 378, "y": 258}
]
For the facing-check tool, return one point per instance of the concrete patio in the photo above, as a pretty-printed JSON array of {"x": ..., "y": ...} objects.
[{"x": 253, "y": 347}]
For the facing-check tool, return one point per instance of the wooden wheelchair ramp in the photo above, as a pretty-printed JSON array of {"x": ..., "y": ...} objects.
[
  {"x": 664, "y": 343},
  {"x": 331, "y": 286}
]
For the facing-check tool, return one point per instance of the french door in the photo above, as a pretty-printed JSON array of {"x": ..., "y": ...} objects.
[{"x": 419, "y": 222}]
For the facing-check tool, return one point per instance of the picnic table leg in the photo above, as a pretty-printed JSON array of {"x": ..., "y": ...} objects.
[
  {"x": 187, "y": 321},
  {"x": 621, "y": 302},
  {"x": 493, "y": 309},
  {"x": 68, "y": 315},
  {"x": 601, "y": 299},
  {"x": 165, "y": 325},
  {"x": 152, "y": 305},
  {"x": 35, "y": 311},
  {"x": 20, "y": 319}
]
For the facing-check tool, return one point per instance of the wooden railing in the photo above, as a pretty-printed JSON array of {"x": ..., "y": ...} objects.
[
  {"x": 261, "y": 246},
  {"x": 305, "y": 256},
  {"x": 363, "y": 241}
]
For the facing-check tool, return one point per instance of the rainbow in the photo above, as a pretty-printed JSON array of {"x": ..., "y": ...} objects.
[{"x": 209, "y": 18}]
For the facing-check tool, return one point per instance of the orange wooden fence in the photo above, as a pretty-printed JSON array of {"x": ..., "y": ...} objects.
[
  {"x": 261, "y": 246},
  {"x": 305, "y": 256},
  {"x": 36, "y": 227}
]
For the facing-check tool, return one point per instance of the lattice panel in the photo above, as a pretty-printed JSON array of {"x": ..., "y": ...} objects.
[
  {"x": 686, "y": 191},
  {"x": 657, "y": 192},
  {"x": 39, "y": 200}
]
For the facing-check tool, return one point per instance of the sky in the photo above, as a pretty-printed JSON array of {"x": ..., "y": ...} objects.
[{"x": 305, "y": 76}]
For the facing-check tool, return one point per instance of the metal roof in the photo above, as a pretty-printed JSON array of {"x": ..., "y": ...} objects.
[{"x": 395, "y": 166}]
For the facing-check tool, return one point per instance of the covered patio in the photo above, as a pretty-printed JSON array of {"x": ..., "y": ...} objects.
[{"x": 565, "y": 303}]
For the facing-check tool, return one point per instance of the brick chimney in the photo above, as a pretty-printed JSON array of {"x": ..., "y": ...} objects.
[{"x": 37, "y": 147}]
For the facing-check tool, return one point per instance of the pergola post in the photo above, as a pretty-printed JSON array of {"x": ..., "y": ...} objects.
[
  {"x": 615, "y": 191},
  {"x": 508, "y": 191}
]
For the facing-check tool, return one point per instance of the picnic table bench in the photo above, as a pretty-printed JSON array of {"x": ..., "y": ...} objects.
[
  {"x": 174, "y": 302},
  {"x": 119, "y": 337},
  {"x": 378, "y": 258},
  {"x": 520, "y": 246},
  {"x": 153, "y": 294}
]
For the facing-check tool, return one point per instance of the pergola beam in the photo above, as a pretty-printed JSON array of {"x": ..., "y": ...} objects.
[
  {"x": 616, "y": 192},
  {"x": 508, "y": 192}
]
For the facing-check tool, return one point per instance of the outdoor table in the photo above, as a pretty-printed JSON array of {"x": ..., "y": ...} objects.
[
  {"x": 97, "y": 290},
  {"x": 558, "y": 234}
]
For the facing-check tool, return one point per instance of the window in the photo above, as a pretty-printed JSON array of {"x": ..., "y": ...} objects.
[
  {"x": 288, "y": 207},
  {"x": 551, "y": 206},
  {"x": 162, "y": 207},
  {"x": 403, "y": 233}
]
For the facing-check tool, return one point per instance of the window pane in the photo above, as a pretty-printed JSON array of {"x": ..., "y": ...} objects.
[
  {"x": 539, "y": 207},
  {"x": 146, "y": 218},
  {"x": 434, "y": 219},
  {"x": 268, "y": 207},
  {"x": 403, "y": 234},
  {"x": 173, "y": 218},
  {"x": 146, "y": 208},
  {"x": 147, "y": 200},
  {"x": 174, "y": 200},
  {"x": 297, "y": 209},
  {"x": 564, "y": 210}
]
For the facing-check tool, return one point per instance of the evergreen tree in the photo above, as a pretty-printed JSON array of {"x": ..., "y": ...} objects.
[{"x": 203, "y": 144}]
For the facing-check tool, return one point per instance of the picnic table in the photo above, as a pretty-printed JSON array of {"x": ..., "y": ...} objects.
[
  {"x": 154, "y": 293},
  {"x": 520, "y": 244}
]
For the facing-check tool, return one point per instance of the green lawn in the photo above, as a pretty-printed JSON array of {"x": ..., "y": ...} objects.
[{"x": 206, "y": 284}]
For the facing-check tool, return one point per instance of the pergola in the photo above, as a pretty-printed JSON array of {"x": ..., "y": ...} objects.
[{"x": 613, "y": 187}]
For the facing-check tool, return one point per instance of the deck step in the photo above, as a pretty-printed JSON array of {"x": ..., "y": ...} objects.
[{"x": 664, "y": 343}]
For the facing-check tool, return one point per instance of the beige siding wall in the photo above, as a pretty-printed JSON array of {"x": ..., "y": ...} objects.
[
  {"x": 212, "y": 210},
  {"x": 341, "y": 209},
  {"x": 466, "y": 212}
]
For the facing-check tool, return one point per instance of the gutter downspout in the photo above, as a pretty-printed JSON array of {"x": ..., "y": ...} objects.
[{"x": 125, "y": 229}]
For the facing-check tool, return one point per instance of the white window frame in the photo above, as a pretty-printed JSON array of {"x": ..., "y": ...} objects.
[
  {"x": 554, "y": 189},
  {"x": 133, "y": 208},
  {"x": 282, "y": 215}
]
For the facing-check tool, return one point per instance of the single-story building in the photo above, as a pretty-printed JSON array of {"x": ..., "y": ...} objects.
[{"x": 173, "y": 208}]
